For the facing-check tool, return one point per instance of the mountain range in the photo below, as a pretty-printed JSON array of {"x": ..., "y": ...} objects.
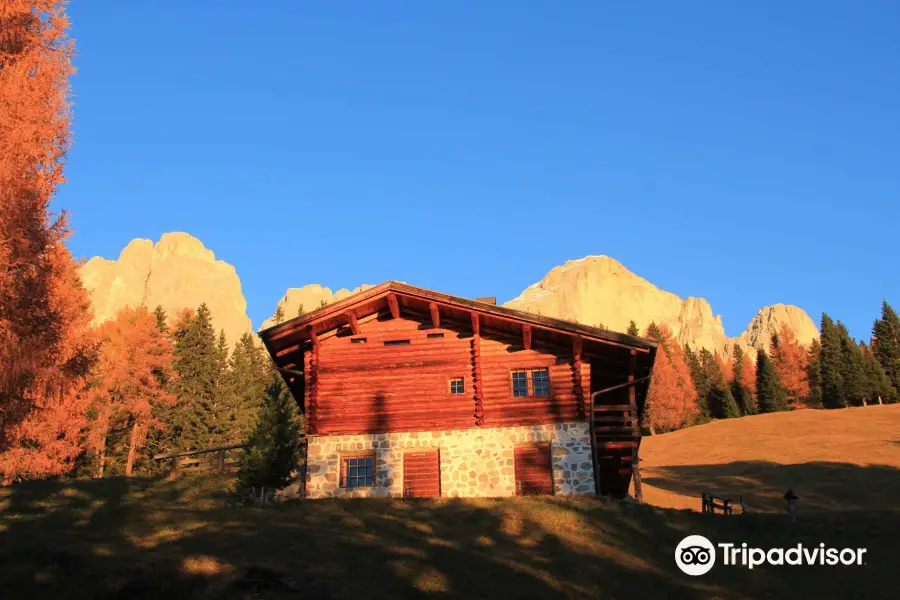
[{"x": 179, "y": 272}]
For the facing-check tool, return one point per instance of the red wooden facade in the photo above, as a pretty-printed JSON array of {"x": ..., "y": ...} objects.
[{"x": 384, "y": 359}]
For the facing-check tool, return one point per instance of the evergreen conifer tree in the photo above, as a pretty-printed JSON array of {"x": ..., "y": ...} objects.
[
  {"x": 853, "y": 372},
  {"x": 300, "y": 311},
  {"x": 886, "y": 332},
  {"x": 273, "y": 448},
  {"x": 813, "y": 375},
  {"x": 742, "y": 394},
  {"x": 278, "y": 317},
  {"x": 769, "y": 393},
  {"x": 160, "y": 313},
  {"x": 192, "y": 421},
  {"x": 878, "y": 384},
  {"x": 830, "y": 362},
  {"x": 701, "y": 383},
  {"x": 633, "y": 328},
  {"x": 246, "y": 382}
]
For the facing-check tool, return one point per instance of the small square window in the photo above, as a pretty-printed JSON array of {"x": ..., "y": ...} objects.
[
  {"x": 457, "y": 386},
  {"x": 396, "y": 343},
  {"x": 357, "y": 471},
  {"x": 358, "y": 340},
  {"x": 520, "y": 383},
  {"x": 540, "y": 382}
]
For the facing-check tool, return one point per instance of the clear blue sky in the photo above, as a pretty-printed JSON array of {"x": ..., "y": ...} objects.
[{"x": 746, "y": 154}]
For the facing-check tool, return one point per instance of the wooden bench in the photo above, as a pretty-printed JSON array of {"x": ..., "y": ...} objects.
[{"x": 712, "y": 503}]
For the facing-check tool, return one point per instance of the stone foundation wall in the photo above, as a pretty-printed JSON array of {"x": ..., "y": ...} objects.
[{"x": 474, "y": 462}]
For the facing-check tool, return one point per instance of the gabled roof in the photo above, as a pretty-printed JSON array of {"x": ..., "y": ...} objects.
[{"x": 284, "y": 339}]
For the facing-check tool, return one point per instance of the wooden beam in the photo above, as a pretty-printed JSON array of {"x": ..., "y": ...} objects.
[
  {"x": 312, "y": 382},
  {"x": 435, "y": 315},
  {"x": 477, "y": 382},
  {"x": 354, "y": 324},
  {"x": 576, "y": 369},
  {"x": 289, "y": 371},
  {"x": 632, "y": 367},
  {"x": 526, "y": 336},
  {"x": 394, "y": 306}
]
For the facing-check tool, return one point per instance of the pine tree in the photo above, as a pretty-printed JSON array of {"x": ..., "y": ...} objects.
[
  {"x": 247, "y": 379},
  {"x": 852, "y": 368},
  {"x": 197, "y": 362},
  {"x": 160, "y": 313},
  {"x": 886, "y": 332},
  {"x": 701, "y": 383},
  {"x": 323, "y": 303},
  {"x": 278, "y": 317},
  {"x": 814, "y": 375},
  {"x": 830, "y": 363},
  {"x": 878, "y": 384},
  {"x": 300, "y": 311},
  {"x": 769, "y": 393},
  {"x": 719, "y": 399},
  {"x": 272, "y": 452},
  {"x": 740, "y": 389},
  {"x": 655, "y": 332},
  {"x": 633, "y": 329}
]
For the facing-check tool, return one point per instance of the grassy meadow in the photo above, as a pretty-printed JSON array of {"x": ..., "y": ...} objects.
[{"x": 134, "y": 538}]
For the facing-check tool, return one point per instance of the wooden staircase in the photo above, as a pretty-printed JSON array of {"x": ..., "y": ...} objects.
[{"x": 616, "y": 439}]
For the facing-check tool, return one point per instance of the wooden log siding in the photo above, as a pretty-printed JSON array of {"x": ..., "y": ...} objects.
[{"x": 372, "y": 388}]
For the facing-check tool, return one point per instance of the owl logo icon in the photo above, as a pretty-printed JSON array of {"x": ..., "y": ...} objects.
[{"x": 695, "y": 555}]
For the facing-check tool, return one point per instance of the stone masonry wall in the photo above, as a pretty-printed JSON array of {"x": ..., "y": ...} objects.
[{"x": 474, "y": 462}]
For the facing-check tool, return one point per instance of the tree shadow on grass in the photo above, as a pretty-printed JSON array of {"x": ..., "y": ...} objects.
[
  {"x": 137, "y": 539},
  {"x": 821, "y": 486}
]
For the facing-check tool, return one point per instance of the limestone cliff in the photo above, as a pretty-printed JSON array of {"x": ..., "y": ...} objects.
[
  {"x": 177, "y": 272},
  {"x": 309, "y": 297},
  {"x": 598, "y": 290}
]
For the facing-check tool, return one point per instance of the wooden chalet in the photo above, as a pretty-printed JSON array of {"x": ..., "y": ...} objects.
[{"x": 410, "y": 392}]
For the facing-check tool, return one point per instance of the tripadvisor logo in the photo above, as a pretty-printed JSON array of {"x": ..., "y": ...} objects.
[{"x": 696, "y": 555}]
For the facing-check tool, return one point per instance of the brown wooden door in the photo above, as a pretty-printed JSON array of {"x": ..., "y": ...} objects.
[
  {"x": 422, "y": 474},
  {"x": 534, "y": 474}
]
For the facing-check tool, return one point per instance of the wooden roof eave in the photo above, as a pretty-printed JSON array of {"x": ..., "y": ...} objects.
[{"x": 310, "y": 321}]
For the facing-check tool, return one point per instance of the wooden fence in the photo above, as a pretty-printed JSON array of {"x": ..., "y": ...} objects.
[{"x": 219, "y": 460}]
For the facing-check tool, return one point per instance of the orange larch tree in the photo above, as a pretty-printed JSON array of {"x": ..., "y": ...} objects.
[
  {"x": 45, "y": 351},
  {"x": 136, "y": 358},
  {"x": 790, "y": 360},
  {"x": 671, "y": 400}
]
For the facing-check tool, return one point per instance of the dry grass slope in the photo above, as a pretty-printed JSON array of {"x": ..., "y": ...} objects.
[
  {"x": 139, "y": 539},
  {"x": 834, "y": 460}
]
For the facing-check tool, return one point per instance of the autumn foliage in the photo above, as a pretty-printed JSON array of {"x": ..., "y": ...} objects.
[
  {"x": 135, "y": 362},
  {"x": 45, "y": 346},
  {"x": 790, "y": 359},
  {"x": 671, "y": 400}
]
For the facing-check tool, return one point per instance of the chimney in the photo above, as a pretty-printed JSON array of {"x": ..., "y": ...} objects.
[{"x": 487, "y": 300}]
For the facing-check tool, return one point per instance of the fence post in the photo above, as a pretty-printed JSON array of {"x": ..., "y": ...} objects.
[
  {"x": 173, "y": 469},
  {"x": 220, "y": 461}
]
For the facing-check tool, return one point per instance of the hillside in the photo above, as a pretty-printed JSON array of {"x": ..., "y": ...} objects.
[
  {"x": 834, "y": 460},
  {"x": 138, "y": 539}
]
